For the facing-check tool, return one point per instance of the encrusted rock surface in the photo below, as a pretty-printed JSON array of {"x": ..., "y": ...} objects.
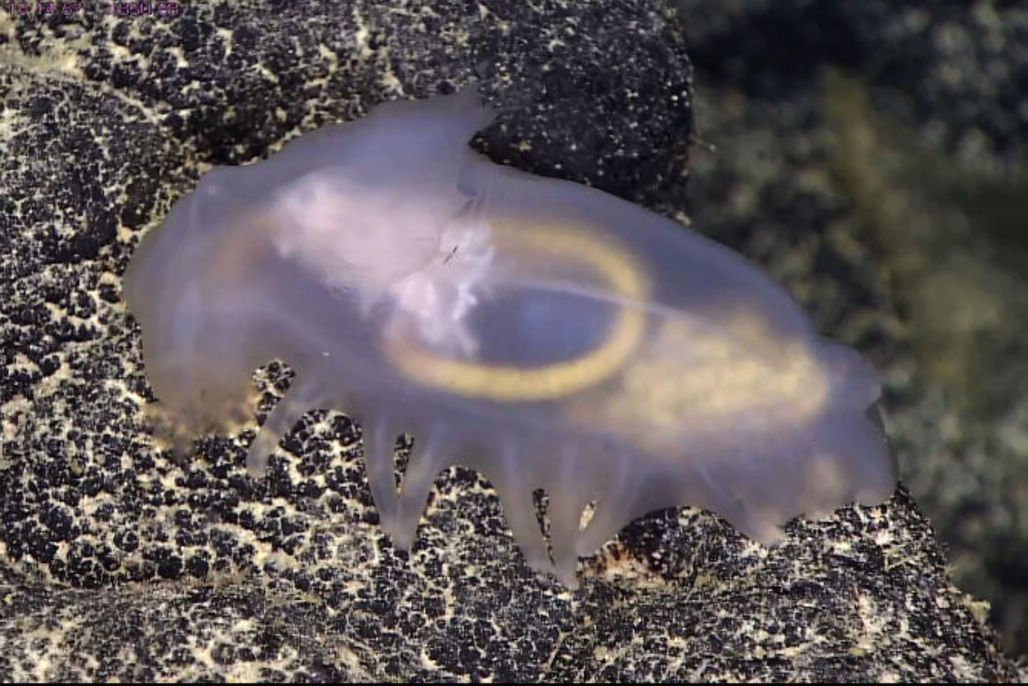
[{"x": 119, "y": 562}]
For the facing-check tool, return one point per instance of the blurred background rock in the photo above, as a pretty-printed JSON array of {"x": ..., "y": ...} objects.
[{"x": 885, "y": 142}]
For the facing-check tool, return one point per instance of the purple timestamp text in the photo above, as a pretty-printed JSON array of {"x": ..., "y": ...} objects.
[{"x": 160, "y": 8}]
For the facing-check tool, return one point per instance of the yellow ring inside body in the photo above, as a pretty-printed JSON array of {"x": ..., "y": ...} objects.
[{"x": 507, "y": 383}]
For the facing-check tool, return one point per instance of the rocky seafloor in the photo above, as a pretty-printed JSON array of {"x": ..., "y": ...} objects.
[{"x": 120, "y": 561}]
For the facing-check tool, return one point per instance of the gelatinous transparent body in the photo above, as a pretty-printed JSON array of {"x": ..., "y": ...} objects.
[{"x": 545, "y": 333}]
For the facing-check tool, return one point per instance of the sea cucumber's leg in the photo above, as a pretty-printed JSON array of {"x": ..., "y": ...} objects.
[
  {"x": 300, "y": 397},
  {"x": 617, "y": 498},
  {"x": 567, "y": 501},
  {"x": 379, "y": 447},
  {"x": 613, "y": 512},
  {"x": 427, "y": 458},
  {"x": 519, "y": 508}
]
